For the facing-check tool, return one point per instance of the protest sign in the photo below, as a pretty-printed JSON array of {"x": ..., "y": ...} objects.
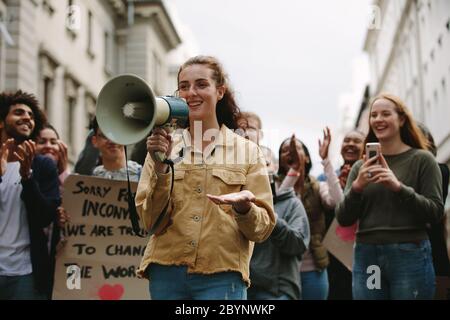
[
  {"x": 100, "y": 254},
  {"x": 340, "y": 244}
]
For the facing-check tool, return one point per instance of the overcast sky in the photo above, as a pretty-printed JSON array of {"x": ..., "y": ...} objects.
[{"x": 287, "y": 60}]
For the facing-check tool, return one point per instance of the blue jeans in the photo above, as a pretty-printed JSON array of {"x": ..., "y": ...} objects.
[
  {"x": 19, "y": 288},
  {"x": 405, "y": 271},
  {"x": 174, "y": 283},
  {"x": 314, "y": 285},
  {"x": 256, "y": 294}
]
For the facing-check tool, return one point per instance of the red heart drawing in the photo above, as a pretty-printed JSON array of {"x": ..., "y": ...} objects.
[
  {"x": 108, "y": 292},
  {"x": 347, "y": 233}
]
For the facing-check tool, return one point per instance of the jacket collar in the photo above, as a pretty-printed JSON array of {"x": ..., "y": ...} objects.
[{"x": 285, "y": 194}]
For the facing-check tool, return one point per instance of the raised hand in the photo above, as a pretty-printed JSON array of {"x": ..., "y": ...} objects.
[
  {"x": 63, "y": 216},
  {"x": 4, "y": 154},
  {"x": 241, "y": 201},
  {"x": 297, "y": 161},
  {"x": 343, "y": 175},
  {"x": 25, "y": 154},
  {"x": 63, "y": 157},
  {"x": 325, "y": 145}
]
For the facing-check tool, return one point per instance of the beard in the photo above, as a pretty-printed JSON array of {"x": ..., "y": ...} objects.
[{"x": 13, "y": 133}]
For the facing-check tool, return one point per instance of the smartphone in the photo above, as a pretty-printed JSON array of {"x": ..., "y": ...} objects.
[{"x": 372, "y": 150}]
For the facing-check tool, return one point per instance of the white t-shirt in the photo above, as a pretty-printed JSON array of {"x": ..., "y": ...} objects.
[
  {"x": 15, "y": 259},
  {"x": 134, "y": 171}
]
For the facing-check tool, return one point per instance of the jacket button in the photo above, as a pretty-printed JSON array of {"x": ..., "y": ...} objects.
[
  {"x": 193, "y": 243},
  {"x": 196, "y": 218},
  {"x": 198, "y": 189}
]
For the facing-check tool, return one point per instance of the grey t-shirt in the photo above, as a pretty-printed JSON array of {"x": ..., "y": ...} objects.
[{"x": 15, "y": 259}]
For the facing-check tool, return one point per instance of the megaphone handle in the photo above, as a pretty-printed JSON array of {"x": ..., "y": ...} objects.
[{"x": 160, "y": 156}]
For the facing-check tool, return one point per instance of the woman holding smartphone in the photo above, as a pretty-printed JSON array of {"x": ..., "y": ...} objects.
[
  {"x": 393, "y": 201},
  {"x": 221, "y": 202}
]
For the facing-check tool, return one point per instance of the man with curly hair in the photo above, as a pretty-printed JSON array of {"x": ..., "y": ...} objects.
[{"x": 29, "y": 197}]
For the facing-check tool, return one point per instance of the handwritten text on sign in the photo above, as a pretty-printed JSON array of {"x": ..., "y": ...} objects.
[{"x": 100, "y": 241}]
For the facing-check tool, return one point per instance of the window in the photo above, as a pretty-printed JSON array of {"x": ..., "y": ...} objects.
[
  {"x": 47, "y": 68},
  {"x": 108, "y": 53},
  {"x": 71, "y": 105},
  {"x": 73, "y": 19},
  {"x": 47, "y": 87},
  {"x": 156, "y": 72},
  {"x": 89, "y": 35},
  {"x": 90, "y": 109},
  {"x": 71, "y": 122}
]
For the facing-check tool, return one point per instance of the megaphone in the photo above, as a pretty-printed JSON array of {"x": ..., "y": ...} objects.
[{"x": 127, "y": 110}]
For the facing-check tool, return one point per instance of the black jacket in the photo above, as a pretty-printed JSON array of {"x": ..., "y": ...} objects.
[
  {"x": 41, "y": 196},
  {"x": 436, "y": 233}
]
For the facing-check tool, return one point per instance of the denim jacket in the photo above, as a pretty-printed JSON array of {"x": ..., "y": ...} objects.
[{"x": 206, "y": 237}]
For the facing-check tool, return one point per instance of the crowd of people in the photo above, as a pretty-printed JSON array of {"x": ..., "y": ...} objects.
[{"x": 236, "y": 220}]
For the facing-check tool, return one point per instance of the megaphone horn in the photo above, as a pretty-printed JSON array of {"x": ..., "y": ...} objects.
[
  {"x": 137, "y": 111},
  {"x": 127, "y": 110}
]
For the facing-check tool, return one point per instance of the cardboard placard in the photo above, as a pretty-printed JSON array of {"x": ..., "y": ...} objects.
[
  {"x": 340, "y": 247},
  {"x": 100, "y": 241}
]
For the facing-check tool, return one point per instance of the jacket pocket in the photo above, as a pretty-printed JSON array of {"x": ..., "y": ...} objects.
[
  {"x": 230, "y": 177},
  {"x": 226, "y": 181},
  {"x": 179, "y": 174}
]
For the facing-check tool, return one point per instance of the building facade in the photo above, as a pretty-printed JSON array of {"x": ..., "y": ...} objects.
[
  {"x": 5, "y": 40},
  {"x": 410, "y": 57},
  {"x": 64, "y": 51}
]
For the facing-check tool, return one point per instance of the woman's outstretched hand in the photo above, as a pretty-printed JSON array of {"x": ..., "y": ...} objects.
[{"x": 241, "y": 201}]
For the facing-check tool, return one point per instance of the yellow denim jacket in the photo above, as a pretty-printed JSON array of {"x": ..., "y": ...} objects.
[{"x": 206, "y": 237}]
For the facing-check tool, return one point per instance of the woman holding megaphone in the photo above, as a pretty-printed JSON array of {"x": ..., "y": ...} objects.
[{"x": 221, "y": 201}]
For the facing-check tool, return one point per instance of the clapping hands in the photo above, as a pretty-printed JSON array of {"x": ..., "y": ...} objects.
[
  {"x": 5, "y": 151},
  {"x": 24, "y": 153}
]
